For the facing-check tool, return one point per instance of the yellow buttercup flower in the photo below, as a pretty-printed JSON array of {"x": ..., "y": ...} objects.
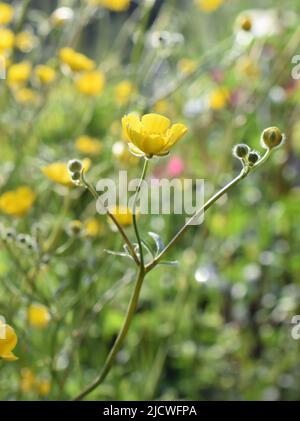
[
  {"x": 114, "y": 5},
  {"x": 92, "y": 227},
  {"x": 18, "y": 74},
  {"x": 45, "y": 74},
  {"x": 25, "y": 41},
  {"x": 38, "y": 315},
  {"x": 123, "y": 215},
  {"x": 209, "y": 6},
  {"x": 7, "y": 39},
  {"x": 218, "y": 98},
  {"x": 8, "y": 341},
  {"x": 76, "y": 61},
  {"x": 123, "y": 91},
  {"x": 88, "y": 145},
  {"x": 17, "y": 202},
  {"x": 27, "y": 381},
  {"x": 25, "y": 95},
  {"x": 186, "y": 66},
  {"x": 90, "y": 83},
  {"x": 151, "y": 135},
  {"x": 58, "y": 172},
  {"x": 6, "y": 13}
]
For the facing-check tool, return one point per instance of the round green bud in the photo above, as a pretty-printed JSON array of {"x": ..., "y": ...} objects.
[
  {"x": 75, "y": 176},
  {"x": 271, "y": 138},
  {"x": 241, "y": 150},
  {"x": 74, "y": 166},
  {"x": 9, "y": 233},
  {"x": 75, "y": 227},
  {"x": 253, "y": 157}
]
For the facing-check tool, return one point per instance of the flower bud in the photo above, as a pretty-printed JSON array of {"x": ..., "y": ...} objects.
[
  {"x": 75, "y": 228},
  {"x": 253, "y": 157},
  {"x": 271, "y": 138},
  {"x": 9, "y": 234},
  {"x": 21, "y": 238},
  {"x": 245, "y": 23},
  {"x": 75, "y": 166},
  {"x": 241, "y": 150},
  {"x": 75, "y": 176}
]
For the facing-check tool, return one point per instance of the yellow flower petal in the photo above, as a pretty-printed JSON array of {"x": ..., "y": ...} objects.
[
  {"x": 154, "y": 144},
  {"x": 9, "y": 357},
  {"x": 176, "y": 132},
  {"x": 155, "y": 123},
  {"x": 8, "y": 341}
]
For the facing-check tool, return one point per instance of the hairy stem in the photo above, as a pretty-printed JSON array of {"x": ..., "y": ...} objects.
[
  {"x": 135, "y": 225},
  {"x": 120, "y": 339}
]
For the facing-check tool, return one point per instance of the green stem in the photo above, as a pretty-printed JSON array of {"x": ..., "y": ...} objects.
[
  {"x": 245, "y": 171},
  {"x": 120, "y": 339},
  {"x": 135, "y": 225},
  {"x": 52, "y": 241},
  {"x": 113, "y": 219}
]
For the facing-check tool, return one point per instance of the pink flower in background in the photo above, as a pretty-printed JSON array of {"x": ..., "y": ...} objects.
[{"x": 175, "y": 167}]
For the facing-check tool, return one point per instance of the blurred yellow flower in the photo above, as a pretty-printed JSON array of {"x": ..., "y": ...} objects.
[
  {"x": 151, "y": 135},
  {"x": 88, "y": 145},
  {"x": 161, "y": 106},
  {"x": 218, "y": 98},
  {"x": 8, "y": 341},
  {"x": 186, "y": 66},
  {"x": 25, "y": 95},
  {"x": 123, "y": 215},
  {"x": 76, "y": 61},
  {"x": 58, "y": 172},
  {"x": 45, "y": 74},
  {"x": 25, "y": 41},
  {"x": 92, "y": 227},
  {"x": 114, "y": 5},
  {"x": 90, "y": 83},
  {"x": 38, "y": 315},
  {"x": 123, "y": 91},
  {"x": 7, "y": 39},
  {"x": 27, "y": 380},
  {"x": 209, "y": 6},
  {"x": 6, "y": 13},
  {"x": 43, "y": 387},
  {"x": 247, "y": 68},
  {"x": 17, "y": 202},
  {"x": 18, "y": 74}
]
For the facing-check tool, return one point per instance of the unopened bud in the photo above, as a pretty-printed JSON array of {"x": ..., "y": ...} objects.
[
  {"x": 271, "y": 138},
  {"x": 253, "y": 157},
  {"x": 241, "y": 150},
  {"x": 75, "y": 227},
  {"x": 74, "y": 166},
  {"x": 75, "y": 176},
  {"x": 245, "y": 23}
]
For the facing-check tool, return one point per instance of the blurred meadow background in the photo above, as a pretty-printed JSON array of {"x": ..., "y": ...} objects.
[{"x": 216, "y": 326}]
